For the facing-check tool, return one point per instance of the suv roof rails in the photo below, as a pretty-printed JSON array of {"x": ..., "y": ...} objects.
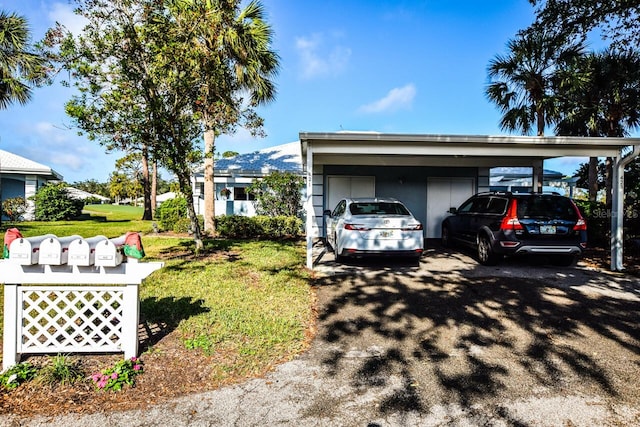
[{"x": 506, "y": 193}]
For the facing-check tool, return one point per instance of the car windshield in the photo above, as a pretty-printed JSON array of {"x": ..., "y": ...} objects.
[
  {"x": 547, "y": 207},
  {"x": 378, "y": 208}
]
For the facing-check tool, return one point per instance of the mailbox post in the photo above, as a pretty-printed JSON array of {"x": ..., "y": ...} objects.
[{"x": 60, "y": 304}]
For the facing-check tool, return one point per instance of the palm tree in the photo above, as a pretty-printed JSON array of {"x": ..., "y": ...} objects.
[
  {"x": 605, "y": 104},
  {"x": 521, "y": 82},
  {"x": 19, "y": 67},
  {"x": 236, "y": 47}
]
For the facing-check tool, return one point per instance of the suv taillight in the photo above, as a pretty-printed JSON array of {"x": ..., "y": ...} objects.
[
  {"x": 510, "y": 221},
  {"x": 581, "y": 224}
]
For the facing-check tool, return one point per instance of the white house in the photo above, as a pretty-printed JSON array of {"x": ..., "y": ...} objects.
[
  {"x": 234, "y": 174},
  {"x": 21, "y": 177}
]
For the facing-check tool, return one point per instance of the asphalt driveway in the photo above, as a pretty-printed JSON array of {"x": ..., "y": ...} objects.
[{"x": 442, "y": 342}]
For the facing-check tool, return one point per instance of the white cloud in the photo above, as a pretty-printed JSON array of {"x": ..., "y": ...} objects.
[
  {"x": 316, "y": 60},
  {"x": 63, "y": 14},
  {"x": 397, "y": 98}
]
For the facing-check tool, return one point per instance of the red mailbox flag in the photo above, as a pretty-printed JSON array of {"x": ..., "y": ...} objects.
[{"x": 9, "y": 236}]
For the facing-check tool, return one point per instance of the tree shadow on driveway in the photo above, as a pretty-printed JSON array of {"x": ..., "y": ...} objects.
[{"x": 427, "y": 337}]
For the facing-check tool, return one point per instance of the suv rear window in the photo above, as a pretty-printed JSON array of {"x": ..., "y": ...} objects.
[
  {"x": 376, "y": 208},
  {"x": 552, "y": 207}
]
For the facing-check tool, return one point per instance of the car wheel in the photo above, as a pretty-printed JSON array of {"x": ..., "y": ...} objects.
[
  {"x": 337, "y": 250},
  {"x": 563, "y": 260},
  {"x": 486, "y": 256},
  {"x": 446, "y": 237}
]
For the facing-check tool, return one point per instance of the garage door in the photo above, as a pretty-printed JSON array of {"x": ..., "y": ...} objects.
[
  {"x": 442, "y": 194},
  {"x": 339, "y": 187}
]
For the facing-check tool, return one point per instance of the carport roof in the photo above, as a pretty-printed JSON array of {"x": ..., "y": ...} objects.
[{"x": 330, "y": 146}]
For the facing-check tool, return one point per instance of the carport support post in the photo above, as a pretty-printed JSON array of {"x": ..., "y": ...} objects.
[
  {"x": 617, "y": 208},
  {"x": 309, "y": 207}
]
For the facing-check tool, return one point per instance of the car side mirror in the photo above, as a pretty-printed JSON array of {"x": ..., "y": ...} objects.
[
  {"x": 327, "y": 213},
  {"x": 453, "y": 210}
]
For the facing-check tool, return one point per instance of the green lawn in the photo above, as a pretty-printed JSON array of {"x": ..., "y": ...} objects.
[{"x": 248, "y": 298}]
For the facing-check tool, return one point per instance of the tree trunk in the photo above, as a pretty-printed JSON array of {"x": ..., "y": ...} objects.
[
  {"x": 146, "y": 184},
  {"x": 593, "y": 179},
  {"x": 185, "y": 188},
  {"x": 209, "y": 186},
  {"x": 154, "y": 188}
]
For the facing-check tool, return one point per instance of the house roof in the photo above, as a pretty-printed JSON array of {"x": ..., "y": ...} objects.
[
  {"x": 283, "y": 158},
  {"x": 13, "y": 164},
  {"x": 76, "y": 193}
]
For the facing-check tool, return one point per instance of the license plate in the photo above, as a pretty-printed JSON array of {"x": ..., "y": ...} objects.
[
  {"x": 386, "y": 233},
  {"x": 547, "y": 229}
]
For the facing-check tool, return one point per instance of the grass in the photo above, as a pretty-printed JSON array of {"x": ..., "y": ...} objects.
[{"x": 247, "y": 299}]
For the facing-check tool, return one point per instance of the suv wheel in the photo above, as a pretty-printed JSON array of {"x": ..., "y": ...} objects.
[{"x": 486, "y": 256}]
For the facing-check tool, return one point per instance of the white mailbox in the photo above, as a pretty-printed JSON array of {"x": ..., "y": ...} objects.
[
  {"x": 108, "y": 254},
  {"x": 83, "y": 251},
  {"x": 55, "y": 250},
  {"x": 26, "y": 250}
]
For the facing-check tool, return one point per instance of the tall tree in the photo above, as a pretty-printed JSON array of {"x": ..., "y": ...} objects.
[
  {"x": 605, "y": 103},
  {"x": 521, "y": 82},
  {"x": 237, "y": 43},
  {"x": 20, "y": 66},
  {"x": 134, "y": 68},
  {"x": 616, "y": 19}
]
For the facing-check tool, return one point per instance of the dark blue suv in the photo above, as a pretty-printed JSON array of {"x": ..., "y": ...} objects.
[{"x": 496, "y": 224}]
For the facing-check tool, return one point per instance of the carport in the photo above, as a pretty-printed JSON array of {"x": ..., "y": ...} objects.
[{"x": 431, "y": 173}]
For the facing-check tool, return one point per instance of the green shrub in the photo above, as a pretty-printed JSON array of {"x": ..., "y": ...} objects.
[
  {"x": 171, "y": 211},
  {"x": 183, "y": 225},
  {"x": 17, "y": 374},
  {"x": 598, "y": 222},
  {"x": 53, "y": 203},
  {"x": 279, "y": 193},
  {"x": 266, "y": 227}
]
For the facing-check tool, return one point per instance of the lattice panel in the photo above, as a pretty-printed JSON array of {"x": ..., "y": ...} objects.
[{"x": 63, "y": 319}]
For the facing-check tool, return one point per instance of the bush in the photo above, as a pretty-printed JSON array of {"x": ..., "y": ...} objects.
[
  {"x": 278, "y": 193},
  {"x": 53, "y": 203},
  {"x": 170, "y": 212},
  {"x": 14, "y": 208},
  {"x": 183, "y": 225},
  {"x": 598, "y": 222},
  {"x": 243, "y": 227}
]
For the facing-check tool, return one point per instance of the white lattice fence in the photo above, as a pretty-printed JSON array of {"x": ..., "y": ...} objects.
[{"x": 65, "y": 319}]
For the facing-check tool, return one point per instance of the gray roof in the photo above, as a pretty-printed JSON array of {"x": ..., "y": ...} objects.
[
  {"x": 283, "y": 158},
  {"x": 13, "y": 164}
]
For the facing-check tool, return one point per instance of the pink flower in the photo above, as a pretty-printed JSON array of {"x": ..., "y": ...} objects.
[
  {"x": 134, "y": 359},
  {"x": 96, "y": 377},
  {"x": 137, "y": 367},
  {"x": 114, "y": 375}
]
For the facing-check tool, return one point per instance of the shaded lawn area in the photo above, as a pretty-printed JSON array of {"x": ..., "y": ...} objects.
[{"x": 232, "y": 312}]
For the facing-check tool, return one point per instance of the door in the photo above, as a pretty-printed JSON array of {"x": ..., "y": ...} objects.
[
  {"x": 442, "y": 194},
  {"x": 340, "y": 187}
]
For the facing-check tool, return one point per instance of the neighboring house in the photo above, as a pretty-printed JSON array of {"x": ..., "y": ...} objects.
[
  {"x": 519, "y": 179},
  {"x": 21, "y": 177},
  {"x": 76, "y": 193},
  {"x": 234, "y": 174},
  {"x": 164, "y": 197}
]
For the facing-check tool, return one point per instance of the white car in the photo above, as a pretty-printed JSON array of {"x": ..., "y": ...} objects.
[{"x": 373, "y": 226}]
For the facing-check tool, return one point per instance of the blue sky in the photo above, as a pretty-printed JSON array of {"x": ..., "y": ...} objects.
[{"x": 386, "y": 66}]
